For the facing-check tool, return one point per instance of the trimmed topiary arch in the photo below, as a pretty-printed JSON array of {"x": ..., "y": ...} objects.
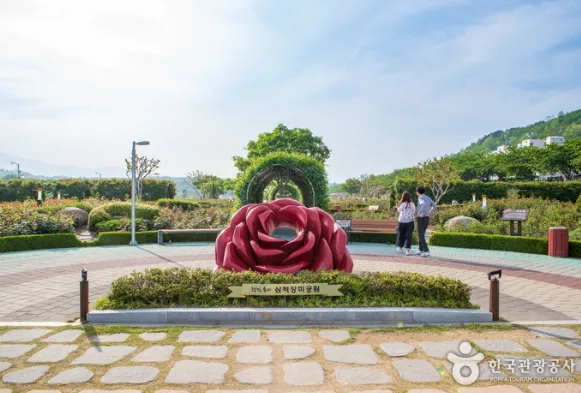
[
  {"x": 306, "y": 173},
  {"x": 290, "y": 188}
]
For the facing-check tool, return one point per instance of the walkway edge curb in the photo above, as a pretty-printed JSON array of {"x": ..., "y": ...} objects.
[{"x": 285, "y": 316}]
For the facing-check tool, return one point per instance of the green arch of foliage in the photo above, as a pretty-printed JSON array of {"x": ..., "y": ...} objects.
[
  {"x": 291, "y": 188},
  {"x": 306, "y": 173}
]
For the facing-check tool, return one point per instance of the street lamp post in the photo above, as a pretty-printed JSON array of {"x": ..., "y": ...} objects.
[
  {"x": 133, "y": 189},
  {"x": 98, "y": 173},
  {"x": 17, "y": 168}
]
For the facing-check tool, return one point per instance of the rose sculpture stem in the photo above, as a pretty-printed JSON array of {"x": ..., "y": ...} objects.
[{"x": 248, "y": 242}]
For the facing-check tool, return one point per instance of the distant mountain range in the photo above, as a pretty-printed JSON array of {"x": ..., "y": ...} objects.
[{"x": 566, "y": 125}]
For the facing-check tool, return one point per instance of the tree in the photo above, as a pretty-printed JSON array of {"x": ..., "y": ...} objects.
[
  {"x": 520, "y": 162},
  {"x": 439, "y": 175},
  {"x": 562, "y": 159},
  {"x": 206, "y": 185},
  {"x": 352, "y": 186},
  {"x": 184, "y": 194},
  {"x": 282, "y": 139},
  {"x": 144, "y": 166}
]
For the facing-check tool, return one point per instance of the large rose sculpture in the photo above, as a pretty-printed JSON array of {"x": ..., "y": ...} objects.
[{"x": 248, "y": 244}]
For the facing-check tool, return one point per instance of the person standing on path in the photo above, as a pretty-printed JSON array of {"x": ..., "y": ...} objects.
[
  {"x": 425, "y": 207},
  {"x": 405, "y": 226}
]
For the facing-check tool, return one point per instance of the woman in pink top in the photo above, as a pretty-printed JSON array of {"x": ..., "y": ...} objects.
[{"x": 405, "y": 226}]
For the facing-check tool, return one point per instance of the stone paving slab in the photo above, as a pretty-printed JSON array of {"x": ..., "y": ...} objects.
[
  {"x": 553, "y": 388},
  {"x": 397, "y": 349},
  {"x": 110, "y": 338},
  {"x": 53, "y": 353},
  {"x": 552, "y": 348},
  {"x": 154, "y": 354},
  {"x": 66, "y": 336},
  {"x": 361, "y": 376},
  {"x": 206, "y": 351},
  {"x": 426, "y": 391},
  {"x": 201, "y": 336},
  {"x": 245, "y": 337},
  {"x": 131, "y": 375},
  {"x": 362, "y": 354},
  {"x": 193, "y": 371},
  {"x": 235, "y": 391},
  {"x": 26, "y": 375},
  {"x": 255, "y": 376},
  {"x": 491, "y": 389},
  {"x": 486, "y": 372},
  {"x": 257, "y": 354},
  {"x": 441, "y": 349},
  {"x": 290, "y": 337},
  {"x": 153, "y": 336},
  {"x": 73, "y": 375},
  {"x": 554, "y": 332},
  {"x": 4, "y": 366},
  {"x": 294, "y": 352},
  {"x": 303, "y": 374},
  {"x": 12, "y": 351},
  {"x": 575, "y": 343},
  {"x": 509, "y": 346},
  {"x": 335, "y": 336},
  {"x": 23, "y": 335},
  {"x": 110, "y": 391},
  {"x": 512, "y": 369},
  {"x": 417, "y": 370},
  {"x": 104, "y": 355}
]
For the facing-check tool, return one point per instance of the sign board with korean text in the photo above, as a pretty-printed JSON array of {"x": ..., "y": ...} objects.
[
  {"x": 515, "y": 215},
  {"x": 373, "y": 208},
  {"x": 345, "y": 224},
  {"x": 312, "y": 289}
]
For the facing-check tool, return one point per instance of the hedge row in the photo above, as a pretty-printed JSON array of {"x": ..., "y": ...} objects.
[
  {"x": 183, "y": 287},
  {"x": 120, "y": 209},
  {"x": 567, "y": 191},
  {"x": 185, "y": 204},
  {"x": 39, "y": 242},
  {"x": 19, "y": 190},
  {"x": 530, "y": 245}
]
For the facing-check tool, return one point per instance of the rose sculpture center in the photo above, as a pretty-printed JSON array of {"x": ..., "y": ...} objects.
[{"x": 248, "y": 242}]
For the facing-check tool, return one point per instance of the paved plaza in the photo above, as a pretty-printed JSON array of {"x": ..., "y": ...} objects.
[{"x": 40, "y": 286}]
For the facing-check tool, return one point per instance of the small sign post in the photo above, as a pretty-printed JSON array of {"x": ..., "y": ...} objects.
[{"x": 515, "y": 215}]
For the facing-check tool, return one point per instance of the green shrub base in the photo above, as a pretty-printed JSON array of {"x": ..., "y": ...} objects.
[
  {"x": 183, "y": 287},
  {"x": 39, "y": 242}
]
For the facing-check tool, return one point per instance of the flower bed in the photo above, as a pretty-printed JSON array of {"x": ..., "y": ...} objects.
[{"x": 182, "y": 287}]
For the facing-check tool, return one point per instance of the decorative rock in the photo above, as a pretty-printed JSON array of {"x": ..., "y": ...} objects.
[
  {"x": 552, "y": 348},
  {"x": 4, "y": 366},
  {"x": 361, "y": 376},
  {"x": 334, "y": 335},
  {"x": 255, "y": 375},
  {"x": 206, "y": 351},
  {"x": 153, "y": 336},
  {"x": 561, "y": 387},
  {"x": 290, "y": 337},
  {"x": 416, "y": 370},
  {"x": 303, "y": 374},
  {"x": 155, "y": 354},
  {"x": 532, "y": 372},
  {"x": 441, "y": 349},
  {"x": 356, "y": 353},
  {"x": 74, "y": 375},
  {"x": 23, "y": 335},
  {"x": 53, "y": 353},
  {"x": 554, "y": 332},
  {"x": 397, "y": 349},
  {"x": 245, "y": 336},
  {"x": 79, "y": 216},
  {"x": 500, "y": 346},
  {"x": 491, "y": 389},
  {"x": 133, "y": 375},
  {"x": 25, "y": 375},
  {"x": 66, "y": 336},
  {"x": 292, "y": 352},
  {"x": 460, "y": 221},
  {"x": 12, "y": 351},
  {"x": 104, "y": 355},
  {"x": 193, "y": 371},
  {"x": 201, "y": 336},
  {"x": 258, "y": 354},
  {"x": 110, "y": 338}
]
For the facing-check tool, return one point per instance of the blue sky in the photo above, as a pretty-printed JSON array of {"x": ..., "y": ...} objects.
[{"x": 385, "y": 83}]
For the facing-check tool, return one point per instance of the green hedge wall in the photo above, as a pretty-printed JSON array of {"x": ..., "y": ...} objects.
[
  {"x": 530, "y": 245},
  {"x": 39, "y": 242},
  {"x": 182, "y": 287},
  {"x": 185, "y": 204},
  {"x": 19, "y": 190},
  {"x": 567, "y": 191}
]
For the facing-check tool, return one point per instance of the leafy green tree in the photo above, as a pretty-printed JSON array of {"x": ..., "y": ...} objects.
[
  {"x": 521, "y": 162},
  {"x": 439, "y": 174},
  {"x": 283, "y": 139},
  {"x": 206, "y": 185},
  {"x": 562, "y": 159},
  {"x": 352, "y": 186}
]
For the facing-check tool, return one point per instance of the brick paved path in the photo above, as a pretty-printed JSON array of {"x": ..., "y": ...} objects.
[
  {"x": 104, "y": 358},
  {"x": 43, "y": 285}
]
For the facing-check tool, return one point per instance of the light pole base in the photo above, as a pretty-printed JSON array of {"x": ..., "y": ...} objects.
[{"x": 133, "y": 243}]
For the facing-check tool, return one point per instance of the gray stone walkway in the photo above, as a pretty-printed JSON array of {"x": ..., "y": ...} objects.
[{"x": 415, "y": 361}]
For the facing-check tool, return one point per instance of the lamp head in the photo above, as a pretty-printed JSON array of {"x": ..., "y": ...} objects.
[{"x": 142, "y": 143}]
